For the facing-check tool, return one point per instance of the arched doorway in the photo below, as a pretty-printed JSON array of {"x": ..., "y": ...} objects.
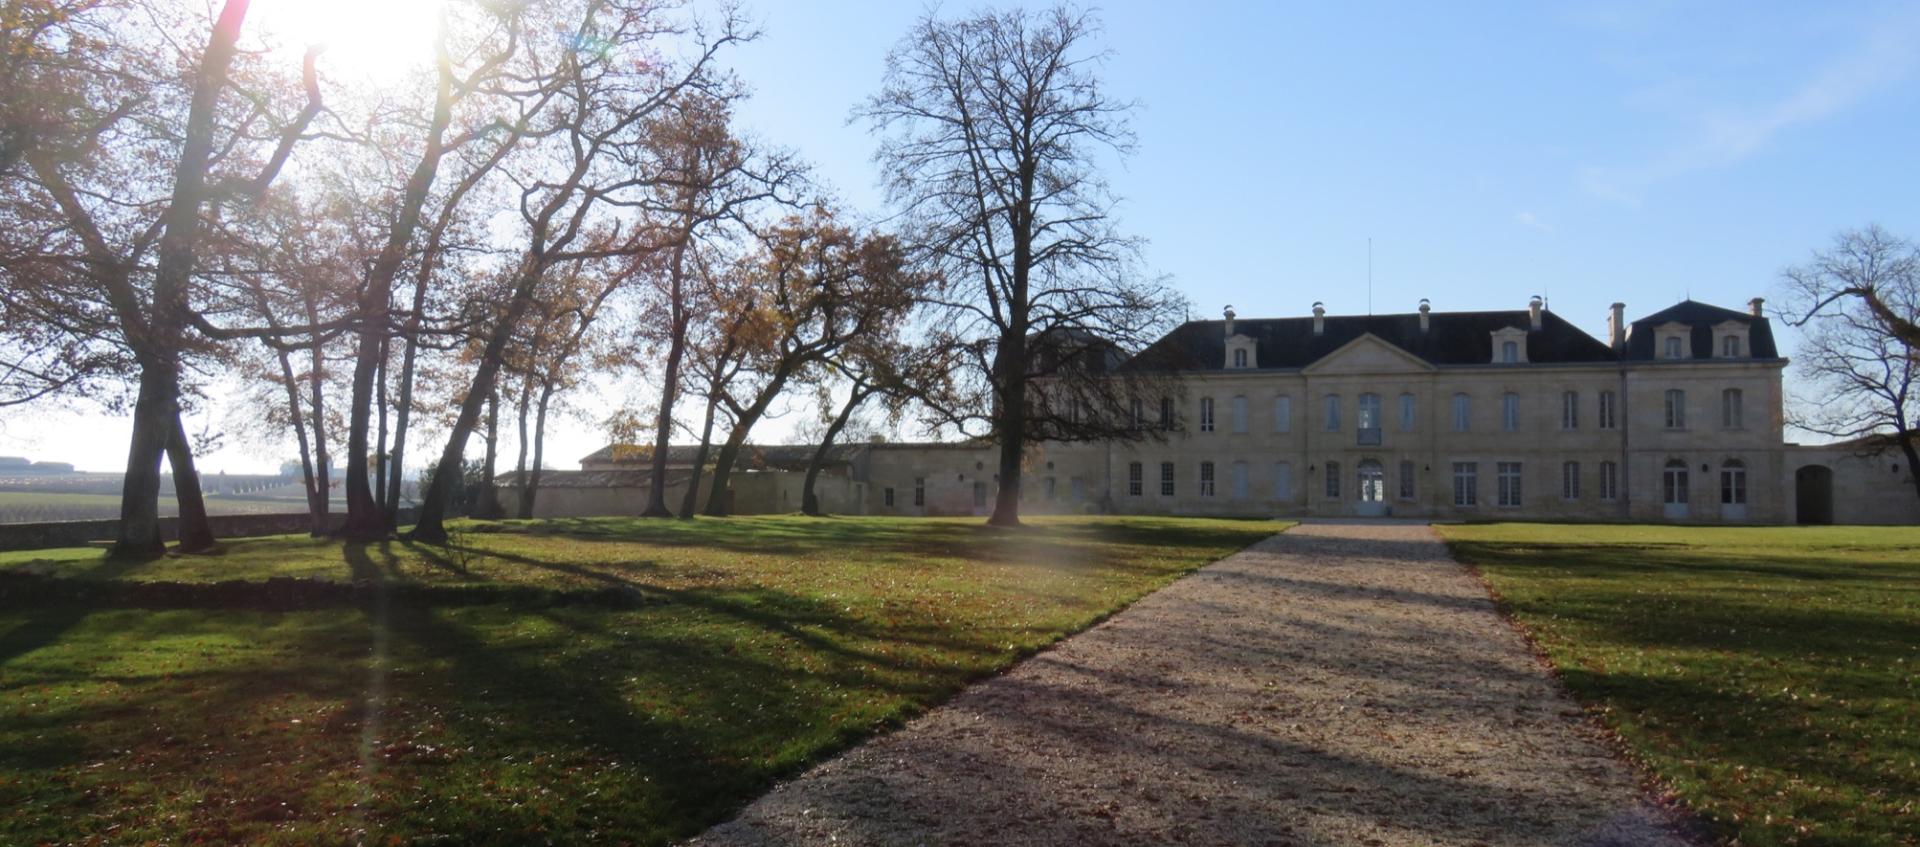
[
  {"x": 1373, "y": 488},
  {"x": 1813, "y": 495}
]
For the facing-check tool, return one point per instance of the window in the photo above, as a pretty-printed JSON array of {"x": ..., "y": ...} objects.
[
  {"x": 1240, "y": 358},
  {"x": 979, "y": 494},
  {"x": 1282, "y": 480},
  {"x": 1570, "y": 480},
  {"x": 1510, "y": 352},
  {"x": 887, "y": 493},
  {"x": 1239, "y": 480},
  {"x": 1507, "y": 477},
  {"x": 1333, "y": 480},
  {"x": 1730, "y": 346},
  {"x": 1136, "y": 479},
  {"x": 1206, "y": 479},
  {"x": 1369, "y": 411},
  {"x": 1570, "y": 410},
  {"x": 1607, "y": 412},
  {"x": 1077, "y": 488},
  {"x": 1673, "y": 483},
  {"x": 1462, "y": 413},
  {"x": 1733, "y": 483},
  {"x": 1239, "y": 414},
  {"x": 1166, "y": 413},
  {"x": 1166, "y": 479},
  {"x": 1051, "y": 485},
  {"x": 1406, "y": 480},
  {"x": 1283, "y": 413},
  {"x": 1676, "y": 409},
  {"x": 1675, "y": 347},
  {"x": 1406, "y": 413},
  {"x": 1510, "y": 412},
  {"x": 1333, "y": 413},
  {"x": 1206, "y": 414},
  {"x": 919, "y": 491},
  {"x": 1609, "y": 481},
  {"x": 1139, "y": 411},
  {"x": 1466, "y": 483},
  {"x": 1730, "y": 411}
]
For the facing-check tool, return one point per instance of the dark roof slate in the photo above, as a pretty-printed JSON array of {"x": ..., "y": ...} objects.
[
  {"x": 1700, "y": 319},
  {"x": 1453, "y": 338}
]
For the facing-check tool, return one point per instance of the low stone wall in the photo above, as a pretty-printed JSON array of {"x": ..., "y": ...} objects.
[{"x": 36, "y": 536}]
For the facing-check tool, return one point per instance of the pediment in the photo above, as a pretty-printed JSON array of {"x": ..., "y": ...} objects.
[{"x": 1368, "y": 354}]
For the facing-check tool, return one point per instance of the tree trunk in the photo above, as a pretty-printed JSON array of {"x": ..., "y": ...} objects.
[
  {"x": 669, "y": 392},
  {"x": 380, "y": 442},
  {"x": 403, "y": 409},
  {"x": 433, "y": 502},
  {"x": 1012, "y": 430},
  {"x": 717, "y": 505},
  {"x": 539, "y": 452},
  {"x": 520, "y": 465},
  {"x": 809, "y": 502},
  {"x": 316, "y": 504},
  {"x": 323, "y": 471},
  {"x": 689, "y": 505},
  {"x": 1906, "y": 437},
  {"x": 195, "y": 533},
  {"x": 486, "y": 503},
  {"x": 138, "y": 536}
]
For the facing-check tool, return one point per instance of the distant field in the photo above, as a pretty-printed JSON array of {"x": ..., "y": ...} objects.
[{"x": 37, "y": 506}]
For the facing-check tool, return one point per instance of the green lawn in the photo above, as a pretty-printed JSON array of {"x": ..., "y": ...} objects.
[
  {"x": 1770, "y": 676},
  {"x": 753, "y": 647}
]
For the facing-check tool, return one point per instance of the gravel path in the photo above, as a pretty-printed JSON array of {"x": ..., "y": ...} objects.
[{"x": 1336, "y": 684}]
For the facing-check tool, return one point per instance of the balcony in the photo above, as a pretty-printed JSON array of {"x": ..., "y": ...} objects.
[{"x": 1368, "y": 436}]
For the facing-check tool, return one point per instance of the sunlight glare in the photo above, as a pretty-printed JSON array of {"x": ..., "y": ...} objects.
[{"x": 374, "y": 40}]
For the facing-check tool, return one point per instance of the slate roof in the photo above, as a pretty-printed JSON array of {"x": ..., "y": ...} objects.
[
  {"x": 1701, "y": 318},
  {"x": 1453, "y": 338},
  {"x": 752, "y": 456}
]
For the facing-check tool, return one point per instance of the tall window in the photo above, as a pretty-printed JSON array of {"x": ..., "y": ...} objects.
[
  {"x": 1333, "y": 480},
  {"x": 1609, "y": 481},
  {"x": 1283, "y": 480},
  {"x": 888, "y": 494},
  {"x": 1206, "y": 414},
  {"x": 1166, "y": 413},
  {"x": 1139, "y": 415},
  {"x": 1570, "y": 480},
  {"x": 1508, "y": 479},
  {"x": 1570, "y": 410},
  {"x": 1510, "y": 412},
  {"x": 1406, "y": 480},
  {"x": 1136, "y": 479},
  {"x": 1283, "y": 413},
  {"x": 1369, "y": 411},
  {"x": 1733, "y": 483},
  {"x": 1676, "y": 409},
  {"x": 1510, "y": 352},
  {"x": 1166, "y": 479},
  {"x": 1333, "y": 413},
  {"x": 1730, "y": 346},
  {"x": 1608, "y": 413},
  {"x": 1239, "y": 414},
  {"x": 1239, "y": 480},
  {"x": 1406, "y": 412},
  {"x": 1052, "y": 484},
  {"x": 919, "y": 491},
  {"x": 1462, "y": 413},
  {"x": 1731, "y": 414},
  {"x": 1466, "y": 483},
  {"x": 1673, "y": 483},
  {"x": 1240, "y": 358},
  {"x": 1674, "y": 347},
  {"x": 1206, "y": 479}
]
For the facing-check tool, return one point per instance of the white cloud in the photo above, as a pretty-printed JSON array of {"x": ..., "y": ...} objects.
[
  {"x": 1723, "y": 136},
  {"x": 1531, "y": 221}
]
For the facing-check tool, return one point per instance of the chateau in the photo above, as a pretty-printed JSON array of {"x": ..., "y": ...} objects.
[{"x": 1675, "y": 416}]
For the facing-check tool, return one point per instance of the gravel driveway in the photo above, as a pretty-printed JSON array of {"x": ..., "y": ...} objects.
[{"x": 1336, "y": 684}]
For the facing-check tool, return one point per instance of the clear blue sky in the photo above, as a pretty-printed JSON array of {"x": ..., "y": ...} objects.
[{"x": 1594, "y": 152}]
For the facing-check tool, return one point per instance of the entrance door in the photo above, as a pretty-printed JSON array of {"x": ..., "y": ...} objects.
[
  {"x": 1673, "y": 490},
  {"x": 1373, "y": 489},
  {"x": 1813, "y": 494}
]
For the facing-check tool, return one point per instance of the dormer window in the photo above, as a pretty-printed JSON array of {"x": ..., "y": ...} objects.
[
  {"x": 1730, "y": 339},
  {"x": 1674, "y": 348},
  {"x": 1509, "y": 346},
  {"x": 1239, "y": 358},
  {"x": 1510, "y": 352},
  {"x": 1730, "y": 347}
]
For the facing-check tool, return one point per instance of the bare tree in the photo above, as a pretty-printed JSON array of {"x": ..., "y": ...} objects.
[
  {"x": 993, "y": 128},
  {"x": 1858, "y": 302}
]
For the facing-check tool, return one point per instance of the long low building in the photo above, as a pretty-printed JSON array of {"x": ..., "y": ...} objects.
[{"x": 1676, "y": 416}]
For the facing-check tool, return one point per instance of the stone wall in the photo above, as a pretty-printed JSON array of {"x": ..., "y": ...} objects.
[{"x": 37, "y": 536}]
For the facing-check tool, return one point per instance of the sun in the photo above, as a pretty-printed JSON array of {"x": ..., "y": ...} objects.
[{"x": 374, "y": 40}]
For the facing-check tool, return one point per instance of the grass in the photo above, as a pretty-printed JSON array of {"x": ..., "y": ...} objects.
[
  {"x": 769, "y": 643},
  {"x": 1770, "y": 676}
]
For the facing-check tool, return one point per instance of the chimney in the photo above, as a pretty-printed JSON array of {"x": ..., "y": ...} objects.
[
  {"x": 1534, "y": 306},
  {"x": 1319, "y": 318},
  {"x": 1753, "y": 306},
  {"x": 1425, "y": 307},
  {"x": 1617, "y": 326},
  {"x": 1229, "y": 321}
]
